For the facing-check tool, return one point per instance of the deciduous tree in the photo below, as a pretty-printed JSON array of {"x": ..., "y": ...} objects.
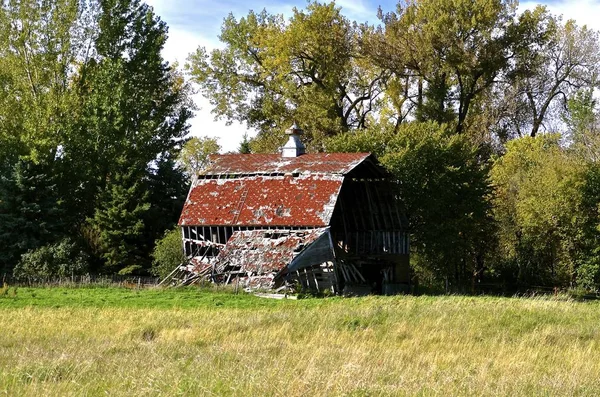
[
  {"x": 449, "y": 51},
  {"x": 195, "y": 153},
  {"x": 545, "y": 77},
  {"x": 537, "y": 205},
  {"x": 444, "y": 190},
  {"x": 272, "y": 72}
]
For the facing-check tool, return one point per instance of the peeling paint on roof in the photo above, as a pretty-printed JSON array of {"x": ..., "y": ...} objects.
[
  {"x": 261, "y": 164},
  {"x": 258, "y": 252},
  {"x": 305, "y": 200}
]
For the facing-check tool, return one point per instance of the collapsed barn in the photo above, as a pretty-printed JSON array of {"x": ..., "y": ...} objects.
[{"x": 294, "y": 220}]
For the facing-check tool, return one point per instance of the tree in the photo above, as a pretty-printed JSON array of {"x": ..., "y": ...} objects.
[
  {"x": 447, "y": 53},
  {"x": 565, "y": 61},
  {"x": 168, "y": 186},
  {"x": 119, "y": 220},
  {"x": 135, "y": 113},
  {"x": 538, "y": 210},
  {"x": 63, "y": 259},
  {"x": 444, "y": 191},
  {"x": 271, "y": 73},
  {"x": 37, "y": 52},
  {"x": 581, "y": 118},
  {"x": 244, "y": 147},
  {"x": 168, "y": 253},
  {"x": 31, "y": 212},
  {"x": 588, "y": 253},
  {"x": 87, "y": 101},
  {"x": 195, "y": 154}
]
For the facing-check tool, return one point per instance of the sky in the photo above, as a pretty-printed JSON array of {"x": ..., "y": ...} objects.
[{"x": 194, "y": 23}]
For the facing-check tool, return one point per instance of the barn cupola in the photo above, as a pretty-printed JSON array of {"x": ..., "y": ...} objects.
[{"x": 294, "y": 146}]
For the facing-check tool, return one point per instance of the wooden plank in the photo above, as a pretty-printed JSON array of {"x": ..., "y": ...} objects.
[
  {"x": 372, "y": 207},
  {"x": 343, "y": 216},
  {"x": 383, "y": 204},
  {"x": 357, "y": 272},
  {"x": 276, "y": 296}
]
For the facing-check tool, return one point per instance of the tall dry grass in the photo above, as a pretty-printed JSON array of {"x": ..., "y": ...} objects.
[{"x": 368, "y": 346}]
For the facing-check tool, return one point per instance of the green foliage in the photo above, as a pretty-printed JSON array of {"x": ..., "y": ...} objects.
[
  {"x": 537, "y": 206},
  {"x": 119, "y": 219},
  {"x": 169, "y": 187},
  {"x": 582, "y": 120},
  {"x": 195, "y": 153},
  {"x": 587, "y": 275},
  {"x": 588, "y": 270},
  {"x": 31, "y": 212},
  {"x": 444, "y": 191},
  {"x": 90, "y": 115},
  {"x": 451, "y": 50},
  {"x": 37, "y": 50},
  {"x": 272, "y": 72},
  {"x": 244, "y": 147},
  {"x": 62, "y": 259},
  {"x": 93, "y": 127},
  {"x": 168, "y": 253},
  {"x": 564, "y": 60}
]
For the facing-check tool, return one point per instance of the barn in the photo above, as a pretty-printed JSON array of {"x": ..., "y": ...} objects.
[{"x": 319, "y": 221}]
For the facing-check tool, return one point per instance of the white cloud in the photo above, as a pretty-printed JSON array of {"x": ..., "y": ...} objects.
[
  {"x": 185, "y": 36},
  {"x": 585, "y": 12},
  {"x": 358, "y": 10}
]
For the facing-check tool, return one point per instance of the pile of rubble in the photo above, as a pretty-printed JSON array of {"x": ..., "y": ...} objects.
[{"x": 265, "y": 260}]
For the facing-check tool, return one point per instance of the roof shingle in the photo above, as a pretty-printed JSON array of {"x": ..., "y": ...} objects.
[
  {"x": 306, "y": 200},
  {"x": 261, "y": 164}
]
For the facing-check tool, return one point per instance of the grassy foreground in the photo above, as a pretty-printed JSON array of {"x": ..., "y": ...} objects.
[{"x": 193, "y": 342}]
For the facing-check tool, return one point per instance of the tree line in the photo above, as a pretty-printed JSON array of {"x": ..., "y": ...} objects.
[
  {"x": 91, "y": 121},
  {"x": 485, "y": 116}
]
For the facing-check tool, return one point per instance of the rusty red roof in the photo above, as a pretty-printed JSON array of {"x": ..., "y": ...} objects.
[
  {"x": 305, "y": 200},
  {"x": 247, "y": 164}
]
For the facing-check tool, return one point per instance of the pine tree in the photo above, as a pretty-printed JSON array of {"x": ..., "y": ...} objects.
[
  {"x": 169, "y": 186},
  {"x": 136, "y": 113},
  {"x": 31, "y": 213},
  {"x": 245, "y": 145},
  {"x": 119, "y": 219}
]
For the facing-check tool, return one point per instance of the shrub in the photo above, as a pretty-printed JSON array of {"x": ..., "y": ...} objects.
[
  {"x": 587, "y": 275},
  {"x": 168, "y": 253},
  {"x": 62, "y": 259}
]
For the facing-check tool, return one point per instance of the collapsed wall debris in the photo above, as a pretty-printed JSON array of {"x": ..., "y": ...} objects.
[{"x": 267, "y": 260}]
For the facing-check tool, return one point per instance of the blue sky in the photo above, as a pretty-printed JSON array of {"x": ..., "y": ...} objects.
[{"x": 194, "y": 23}]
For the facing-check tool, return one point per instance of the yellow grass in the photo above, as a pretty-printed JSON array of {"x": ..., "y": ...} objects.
[{"x": 367, "y": 346}]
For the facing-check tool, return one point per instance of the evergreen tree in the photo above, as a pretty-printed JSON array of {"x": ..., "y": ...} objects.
[
  {"x": 245, "y": 145},
  {"x": 31, "y": 214},
  {"x": 119, "y": 219},
  {"x": 169, "y": 186},
  {"x": 136, "y": 113}
]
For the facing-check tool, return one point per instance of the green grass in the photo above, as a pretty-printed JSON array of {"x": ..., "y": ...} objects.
[
  {"x": 93, "y": 341},
  {"x": 102, "y": 297}
]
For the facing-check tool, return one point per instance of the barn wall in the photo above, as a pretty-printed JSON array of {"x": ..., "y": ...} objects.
[{"x": 367, "y": 219}]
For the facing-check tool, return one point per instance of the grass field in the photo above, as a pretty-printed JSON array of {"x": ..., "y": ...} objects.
[{"x": 92, "y": 341}]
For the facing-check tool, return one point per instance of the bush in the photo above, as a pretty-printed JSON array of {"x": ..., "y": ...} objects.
[
  {"x": 168, "y": 253},
  {"x": 587, "y": 275},
  {"x": 62, "y": 259}
]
